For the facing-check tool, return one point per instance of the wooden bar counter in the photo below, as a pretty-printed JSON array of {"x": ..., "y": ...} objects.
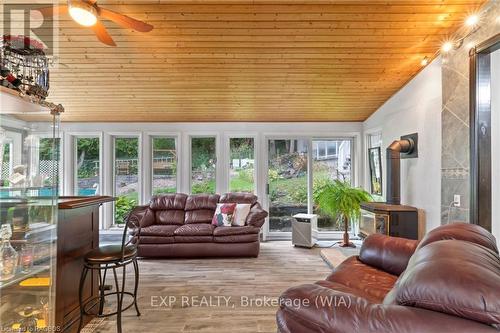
[{"x": 77, "y": 234}]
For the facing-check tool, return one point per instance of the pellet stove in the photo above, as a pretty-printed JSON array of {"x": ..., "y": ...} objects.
[{"x": 391, "y": 218}]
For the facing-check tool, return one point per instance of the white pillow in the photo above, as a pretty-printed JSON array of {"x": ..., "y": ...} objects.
[{"x": 240, "y": 214}]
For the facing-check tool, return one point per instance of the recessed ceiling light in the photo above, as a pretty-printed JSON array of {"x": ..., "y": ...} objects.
[
  {"x": 472, "y": 20},
  {"x": 425, "y": 61}
]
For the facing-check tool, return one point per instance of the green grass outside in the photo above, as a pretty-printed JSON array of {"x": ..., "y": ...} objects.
[{"x": 239, "y": 184}]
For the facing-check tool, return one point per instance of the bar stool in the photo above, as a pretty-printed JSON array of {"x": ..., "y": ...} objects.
[{"x": 112, "y": 257}]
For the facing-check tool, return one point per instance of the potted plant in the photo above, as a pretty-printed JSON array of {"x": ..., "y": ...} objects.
[{"x": 341, "y": 200}]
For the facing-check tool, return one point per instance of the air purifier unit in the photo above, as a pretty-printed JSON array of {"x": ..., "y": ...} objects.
[{"x": 304, "y": 226}]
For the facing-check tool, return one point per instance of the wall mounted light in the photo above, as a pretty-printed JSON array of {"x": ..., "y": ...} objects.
[{"x": 447, "y": 47}]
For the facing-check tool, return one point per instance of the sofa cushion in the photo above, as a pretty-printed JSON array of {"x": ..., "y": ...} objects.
[
  {"x": 246, "y": 238},
  {"x": 169, "y": 217},
  {"x": 158, "y": 230},
  {"x": 455, "y": 277},
  {"x": 199, "y": 216},
  {"x": 195, "y": 230},
  {"x": 202, "y": 201},
  {"x": 368, "y": 281},
  {"x": 193, "y": 239},
  {"x": 229, "y": 231},
  {"x": 156, "y": 240},
  {"x": 461, "y": 231},
  {"x": 239, "y": 197},
  {"x": 168, "y": 201}
]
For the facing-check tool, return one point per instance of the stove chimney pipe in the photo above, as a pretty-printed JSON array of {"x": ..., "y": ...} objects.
[{"x": 393, "y": 158}]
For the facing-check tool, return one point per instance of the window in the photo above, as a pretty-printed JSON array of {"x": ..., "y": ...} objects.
[
  {"x": 164, "y": 165},
  {"x": 126, "y": 165},
  {"x": 87, "y": 166},
  {"x": 241, "y": 165},
  {"x": 336, "y": 164},
  {"x": 49, "y": 150},
  {"x": 203, "y": 162}
]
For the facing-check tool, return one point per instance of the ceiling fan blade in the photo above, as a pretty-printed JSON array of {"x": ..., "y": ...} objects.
[
  {"x": 102, "y": 34},
  {"x": 92, "y": 2},
  {"x": 53, "y": 10},
  {"x": 124, "y": 20}
]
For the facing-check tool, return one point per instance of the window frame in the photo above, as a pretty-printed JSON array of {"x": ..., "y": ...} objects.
[
  {"x": 75, "y": 137},
  {"x": 150, "y": 137},
  {"x": 121, "y": 135},
  {"x": 218, "y": 160}
]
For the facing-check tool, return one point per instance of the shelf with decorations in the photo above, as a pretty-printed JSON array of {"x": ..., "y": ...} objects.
[{"x": 28, "y": 192}]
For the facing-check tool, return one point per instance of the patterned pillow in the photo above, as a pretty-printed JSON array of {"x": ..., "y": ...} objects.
[{"x": 223, "y": 215}]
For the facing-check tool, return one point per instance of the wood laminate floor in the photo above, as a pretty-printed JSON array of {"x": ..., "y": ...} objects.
[{"x": 213, "y": 295}]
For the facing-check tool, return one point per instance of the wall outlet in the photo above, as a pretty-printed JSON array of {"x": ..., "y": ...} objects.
[{"x": 456, "y": 200}]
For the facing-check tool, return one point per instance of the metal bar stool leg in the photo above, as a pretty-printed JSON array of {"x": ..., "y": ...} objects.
[
  {"x": 136, "y": 271},
  {"x": 102, "y": 289},
  {"x": 119, "y": 298},
  {"x": 80, "y": 297}
]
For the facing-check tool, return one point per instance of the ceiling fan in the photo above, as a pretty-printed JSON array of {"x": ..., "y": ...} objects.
[{"x": 88, "y": 14}]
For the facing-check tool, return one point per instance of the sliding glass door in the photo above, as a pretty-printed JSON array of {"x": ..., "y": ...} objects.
[
  {"x": 296, "y": 169},
  {"x": 287, "y": 183}
]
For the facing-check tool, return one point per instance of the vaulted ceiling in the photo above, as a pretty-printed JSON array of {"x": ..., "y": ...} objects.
[{"x": 250, "y": 60}]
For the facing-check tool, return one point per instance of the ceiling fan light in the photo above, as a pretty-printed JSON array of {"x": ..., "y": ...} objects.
[{"x": 83, "y": 13}]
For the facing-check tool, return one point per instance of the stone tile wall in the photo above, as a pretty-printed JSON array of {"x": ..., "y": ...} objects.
[{"x": 455, "y": 164}]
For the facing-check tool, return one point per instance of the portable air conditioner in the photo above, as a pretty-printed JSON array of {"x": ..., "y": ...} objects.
[{"x": 303, "y": 228}]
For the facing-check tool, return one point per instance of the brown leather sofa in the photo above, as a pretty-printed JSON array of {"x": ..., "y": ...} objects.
[
  {"x": 449, "y": 282},
  {"x": 180, "y": 225}
]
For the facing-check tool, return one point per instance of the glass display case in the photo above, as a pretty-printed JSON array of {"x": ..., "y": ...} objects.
[{"x": 28, "y": 218}]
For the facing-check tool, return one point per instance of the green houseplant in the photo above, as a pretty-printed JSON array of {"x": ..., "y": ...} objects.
[{"x": 341, "y": 200}]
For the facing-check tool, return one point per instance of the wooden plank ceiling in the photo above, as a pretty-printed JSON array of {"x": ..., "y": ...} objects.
[{"x": 250, "y": 61}]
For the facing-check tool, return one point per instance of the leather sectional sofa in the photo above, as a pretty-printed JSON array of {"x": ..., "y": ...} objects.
[
  {"x": 447, "y": 283},
  {"x": 180, "y": 225}
]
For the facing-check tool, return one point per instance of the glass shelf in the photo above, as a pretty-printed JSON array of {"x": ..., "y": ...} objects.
[{"x": 20, "y": 277}]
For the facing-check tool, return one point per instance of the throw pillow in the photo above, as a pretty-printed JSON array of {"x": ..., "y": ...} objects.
[
  {"x": 240, "y": 214},
  {"x": 223, "y": 215}
]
